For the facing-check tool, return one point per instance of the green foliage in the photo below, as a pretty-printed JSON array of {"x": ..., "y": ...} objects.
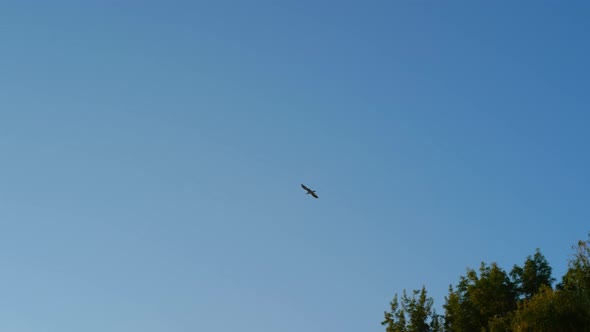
[
  {"x": 480, "y": 298},
  {"x": 412, "y": 314},
  {"x": 535, "y": 274},
  {"x": 435, "y": 324},
  {"x": 490, "y": 300},
  {"x": 395, "y": 320},
  {"x": 578, "y": 274},
  {"x": 565, "y": 309},
  {"x": 552, "y": 310}
]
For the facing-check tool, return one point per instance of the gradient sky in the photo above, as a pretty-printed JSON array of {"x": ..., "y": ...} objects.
[{"x": 152, "y": 154}]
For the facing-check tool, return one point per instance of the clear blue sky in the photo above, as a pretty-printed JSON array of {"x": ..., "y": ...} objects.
[{"x": 152, "y": 152}]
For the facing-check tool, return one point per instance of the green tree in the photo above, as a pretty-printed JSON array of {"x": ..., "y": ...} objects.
[
  {"x": 578, "y": 275},
  {"x": 478, "y": 299},
  {"x": 419, "y": 308},
  {"x": 435, "y": 323},
  {"x": 412, "y": 314},
  {"x": 552, "y": 311},
  {"x": 460, "y": 313},
  {"x": 395, "y": 320},
  {"x": 535, "y": 274},
  {"x": 489, "y": 300},
  {"x": 565, "y": 309}
]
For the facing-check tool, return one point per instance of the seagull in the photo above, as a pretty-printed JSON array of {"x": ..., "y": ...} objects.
[{"x": 309, "y": 191}]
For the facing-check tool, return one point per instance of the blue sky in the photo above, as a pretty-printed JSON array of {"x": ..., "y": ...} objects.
[{"x": 152, "y": 154}]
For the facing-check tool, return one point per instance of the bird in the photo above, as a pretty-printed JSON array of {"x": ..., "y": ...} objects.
[{"x": 309, "y": 191}]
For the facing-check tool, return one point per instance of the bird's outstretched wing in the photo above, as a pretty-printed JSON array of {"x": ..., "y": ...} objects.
[
  {"x": 304, "y": 187},
  {"x": 314, "y": 195}
]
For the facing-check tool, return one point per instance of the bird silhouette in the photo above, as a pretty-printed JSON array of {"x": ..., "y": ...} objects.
[{"x": 309, "y": 191}]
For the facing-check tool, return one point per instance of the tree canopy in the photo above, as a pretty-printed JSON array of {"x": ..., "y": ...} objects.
[{"x": 492, "y": 300}]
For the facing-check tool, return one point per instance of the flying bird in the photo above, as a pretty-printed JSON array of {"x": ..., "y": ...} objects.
[{"x": 309, "y": 191}]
